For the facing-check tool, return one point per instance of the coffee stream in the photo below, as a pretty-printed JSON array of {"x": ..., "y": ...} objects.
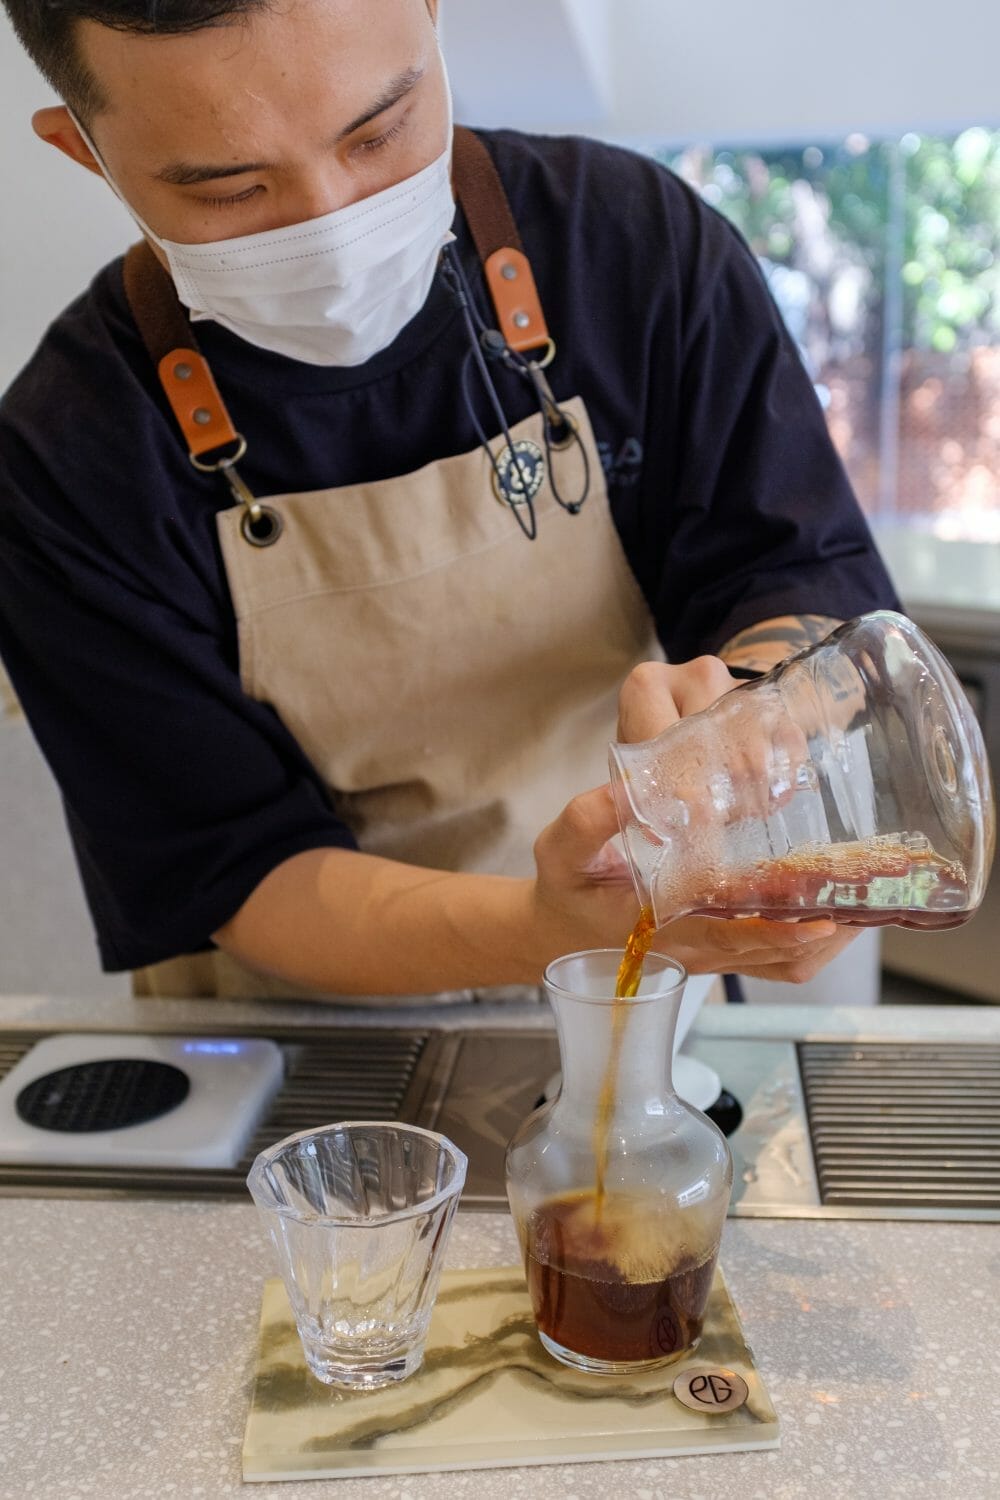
[{"x": 626, "y": 988}]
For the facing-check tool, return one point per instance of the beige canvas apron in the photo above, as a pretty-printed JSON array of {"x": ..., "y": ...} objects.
[{"x": 453, "y": 683}]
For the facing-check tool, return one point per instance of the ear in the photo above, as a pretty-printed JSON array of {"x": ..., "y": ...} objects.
[{"x": 55, "y": 126}]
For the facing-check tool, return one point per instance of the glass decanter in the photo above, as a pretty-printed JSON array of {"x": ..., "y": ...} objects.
[
  {"x": 851, "y": 782},
  {"x": 618, "y": 1188}
]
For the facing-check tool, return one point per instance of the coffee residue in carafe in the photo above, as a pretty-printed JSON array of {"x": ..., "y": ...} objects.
[{"x": 898, "y": 878}]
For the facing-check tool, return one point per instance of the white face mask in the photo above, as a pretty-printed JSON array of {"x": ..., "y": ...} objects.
[{"x": 331, "y": 291}]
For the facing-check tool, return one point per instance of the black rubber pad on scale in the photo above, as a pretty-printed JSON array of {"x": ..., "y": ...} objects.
[{"x": 109, "y": 1094}]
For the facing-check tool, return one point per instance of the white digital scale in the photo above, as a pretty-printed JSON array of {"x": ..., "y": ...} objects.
[{"x": 145, "y": 1101}]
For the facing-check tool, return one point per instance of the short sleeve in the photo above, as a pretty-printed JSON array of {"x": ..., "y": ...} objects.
[
  {"x": 180, "y": 792},
  {"x": 762, "y": 518}
]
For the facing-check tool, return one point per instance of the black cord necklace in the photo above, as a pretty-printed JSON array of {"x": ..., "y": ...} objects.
[{"x": 520, "y": 469}]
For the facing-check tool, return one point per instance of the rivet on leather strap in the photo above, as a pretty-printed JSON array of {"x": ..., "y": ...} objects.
[
  {"x": 195, "y": 401},
  {"x": 516, "y": 299}
]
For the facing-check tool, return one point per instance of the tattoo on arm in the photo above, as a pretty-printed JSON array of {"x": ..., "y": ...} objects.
[{"x": 762, "y": 646}]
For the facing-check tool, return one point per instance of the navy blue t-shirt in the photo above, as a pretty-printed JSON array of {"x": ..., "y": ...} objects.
[{"x": 116, "y": 626}]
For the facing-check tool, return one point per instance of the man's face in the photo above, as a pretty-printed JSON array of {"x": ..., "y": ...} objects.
[{"x": 280, "y": 116}]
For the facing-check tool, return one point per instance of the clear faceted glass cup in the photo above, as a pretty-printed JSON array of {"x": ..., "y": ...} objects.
[{"x": 359, "y": 1214}]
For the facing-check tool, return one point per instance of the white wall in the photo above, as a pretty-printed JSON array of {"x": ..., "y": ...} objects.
[
  {"x": 46, "y": 938},
  {"x": 788, "y": 69},
  {"x": 541, "y": 64},
  {"x": 60, "y": 224}
]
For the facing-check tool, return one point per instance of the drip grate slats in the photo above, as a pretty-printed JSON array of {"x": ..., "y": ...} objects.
[{"x": 904, "y": 1124}]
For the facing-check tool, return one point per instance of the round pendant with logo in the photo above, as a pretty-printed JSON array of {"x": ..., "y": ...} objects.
[{"x": 519, "y": 473}]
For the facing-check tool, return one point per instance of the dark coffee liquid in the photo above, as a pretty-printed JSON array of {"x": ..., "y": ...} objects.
[
  {"x": 869, "y": 883},
  {"x": 604, "y": 1284}
]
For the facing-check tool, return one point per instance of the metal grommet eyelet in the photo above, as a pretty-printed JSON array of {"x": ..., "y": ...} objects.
[
  {"x": 570, "y": 435},
  {"x": 263, "y": 528}
]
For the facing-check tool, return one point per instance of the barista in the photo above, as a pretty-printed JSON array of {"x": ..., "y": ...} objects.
[{"x": 312, "y": 698}]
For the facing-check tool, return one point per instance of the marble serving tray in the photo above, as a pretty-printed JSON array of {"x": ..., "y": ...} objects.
[{"x": 487, "y": 1396}]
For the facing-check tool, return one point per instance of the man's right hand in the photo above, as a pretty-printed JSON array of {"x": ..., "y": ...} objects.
[
  {"x": 582, "y": 892},
  {"x": 584, "y": 898}
]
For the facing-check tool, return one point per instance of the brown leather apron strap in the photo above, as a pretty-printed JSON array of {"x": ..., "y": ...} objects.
[
  {"x": 157, "y": 310},
  {"x": 482, "y": 195},
  {"x": 491, "y": 223},
  {"x": 184, "y": 374}
]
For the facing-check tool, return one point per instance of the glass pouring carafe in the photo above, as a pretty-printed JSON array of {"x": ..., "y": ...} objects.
[
  {"x": 850, "y": 782},
  {"x": 618, "y": 1188}
]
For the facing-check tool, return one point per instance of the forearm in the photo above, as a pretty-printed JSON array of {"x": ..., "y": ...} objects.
[{"x": 342, "y": 922}]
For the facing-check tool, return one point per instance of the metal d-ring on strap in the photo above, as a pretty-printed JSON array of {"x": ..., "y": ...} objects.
[
  {"x": 547, "y": 357},
  {"x": 260, "y": 525}
]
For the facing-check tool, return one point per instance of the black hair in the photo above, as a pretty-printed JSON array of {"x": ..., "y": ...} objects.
[{"x": 47, "y": 30}]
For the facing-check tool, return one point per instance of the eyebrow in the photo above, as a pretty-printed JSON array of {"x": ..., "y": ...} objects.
[{"x": 187, "y": 174}]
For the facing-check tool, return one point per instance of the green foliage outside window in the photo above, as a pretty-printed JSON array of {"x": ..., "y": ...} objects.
[
  {"x": 884, "y": 258},
  {"x": 946, "y": 192}
]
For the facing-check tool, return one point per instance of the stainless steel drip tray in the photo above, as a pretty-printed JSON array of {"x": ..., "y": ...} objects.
[{"x": 830, "y": 1129}]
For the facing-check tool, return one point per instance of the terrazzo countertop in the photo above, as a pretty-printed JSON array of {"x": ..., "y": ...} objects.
[{"x": 128, "y": 1327}]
